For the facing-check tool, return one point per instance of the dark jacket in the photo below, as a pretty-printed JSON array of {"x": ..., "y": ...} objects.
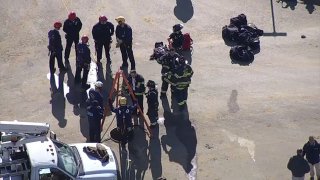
[
  {"x": 83, "y": 57},
  {"x": 177, "y": 39},
  {"x": 139, "y": 84},
  {"x": 102, "y": 32},
  {"x": 168, "y": 62},
  {"x": 124, "y": 33},
  {"x": 95, "y": 96},
  {"x": 152, "y": 100},
  {"x": 298, "y": 166},
  {"x": 72, "y": 28},
  {"x": 312, "y": 152},
  {"x": 94, "y": 112},
  {"x": 123, "y": 115},
  {"x": 182, "y": 75},
  {"x": 55, "y": 43}
]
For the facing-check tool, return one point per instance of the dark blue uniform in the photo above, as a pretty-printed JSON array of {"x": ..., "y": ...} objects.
[
  {"x": 72, "y": 29},
  {"x": 177, "y": 40},
  {"x": 102, "y": 35},
  {"x": 95, "y": 114},
  {"x": 55, "y": 49},
  {"x": 124, "y": 120},
  {"x": 95, "y": 95},
  {"x": 83, "y": 62},
  {"x": 153, "y": 106},
  {"x": 125, "y": 35},
  {"x": 138, "y": 88}
]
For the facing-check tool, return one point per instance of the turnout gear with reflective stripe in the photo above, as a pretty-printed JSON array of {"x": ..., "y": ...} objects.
[
  {"x": 153, "y": 105},
  {"x": 137, "y": 84},
  {"x": 168, "y": 62}
]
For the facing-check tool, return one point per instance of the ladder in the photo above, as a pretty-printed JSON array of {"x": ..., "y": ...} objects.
[
  {"x": 14, "y": 168},
  {"x": 116, "y": 82}
]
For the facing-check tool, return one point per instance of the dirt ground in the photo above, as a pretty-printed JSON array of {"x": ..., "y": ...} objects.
[{"x": 246, "y": 121}]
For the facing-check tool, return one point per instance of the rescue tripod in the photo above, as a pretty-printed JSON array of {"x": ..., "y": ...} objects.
[{"x": 115, "y": 91}]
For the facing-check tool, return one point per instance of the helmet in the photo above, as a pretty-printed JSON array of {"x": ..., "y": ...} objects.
[
  {"x": 98, "y": 84},
  {"x": 120, "y": 19},
  {"x": 72, "y": 16},
  {"x": 57, "y": 24},
  {"x": 123, "y": 101},
  {"x": 177, "y": 27},
  {"x": 151, "y": 84},
  {"x": 84, "y": 39},
  {"x": 103, "y": 18}
]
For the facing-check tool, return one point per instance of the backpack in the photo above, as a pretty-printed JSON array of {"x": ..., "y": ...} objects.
[
  {"x": 187, "y": 42},
  {"x": 230, "y": 33},
  {"x": 241, "y": 55},
  {"x": 238, "y": 21}
]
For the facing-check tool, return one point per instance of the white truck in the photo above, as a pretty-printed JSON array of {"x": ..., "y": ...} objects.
[{"x": 26, "y": 153}]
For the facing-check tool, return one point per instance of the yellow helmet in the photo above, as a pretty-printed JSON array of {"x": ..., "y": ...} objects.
[
  {"x": 123, "y": 101},
  {"x": 120, "y": 18}
]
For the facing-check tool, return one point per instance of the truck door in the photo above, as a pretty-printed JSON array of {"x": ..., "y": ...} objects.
[{"x": 52, "y": 173}]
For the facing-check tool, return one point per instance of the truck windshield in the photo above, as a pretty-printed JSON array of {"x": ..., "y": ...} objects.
[{"x": 66, "y": 158}]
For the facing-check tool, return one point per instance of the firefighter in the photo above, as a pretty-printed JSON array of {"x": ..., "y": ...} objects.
[
  {"x": 83, "y": 61},
  {"x": 124, "y": 118},
  {"x": 96, "y": 94},
  {"x": 124, "y": 41},
  {"x": 153, "y": 103},
  {"x": 168, "y": 64},
  {"x": 181, "y": 79},
  {"x": 95, "y": 114},
  {"x": 71, "y": 27},
  {"x": 176, "y": 37},
  {"x": 102, "y": 33},
  {"x": 55, "y": 48},
  {"x": 136, "y": 82}
]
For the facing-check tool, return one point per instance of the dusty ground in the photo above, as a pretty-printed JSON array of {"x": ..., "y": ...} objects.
[{"x": 247, "y": 121}]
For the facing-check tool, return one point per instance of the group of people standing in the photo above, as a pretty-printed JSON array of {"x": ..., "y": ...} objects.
[
  {"x": 300, "y": 166},
  {"x": 175, "y": 71}
]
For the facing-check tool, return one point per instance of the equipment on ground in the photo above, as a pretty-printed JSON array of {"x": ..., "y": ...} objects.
[{"x": 27, "y": 153}]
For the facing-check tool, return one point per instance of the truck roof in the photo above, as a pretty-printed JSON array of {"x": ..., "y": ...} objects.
[{"x": 42, "y": 153}]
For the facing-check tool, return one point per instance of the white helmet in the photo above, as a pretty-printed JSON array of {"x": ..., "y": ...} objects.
[{"x": 98, "y": 84}]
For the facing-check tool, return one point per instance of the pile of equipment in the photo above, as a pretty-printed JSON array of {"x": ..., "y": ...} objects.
[{"x": 243, "y": 39}]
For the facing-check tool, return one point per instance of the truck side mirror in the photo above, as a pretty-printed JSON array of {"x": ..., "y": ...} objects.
[{"x": 53, "y": 135}]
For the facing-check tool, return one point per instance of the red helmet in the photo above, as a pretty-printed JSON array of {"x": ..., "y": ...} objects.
[
  {"x": 72, "y": 16},
  {"x": 57, "y": 24},
  {"x": 84, "y": 39},
  {"x": 103, "y": 18}
]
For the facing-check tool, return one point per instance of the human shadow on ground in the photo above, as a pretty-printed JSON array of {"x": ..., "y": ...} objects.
[
  {"x": 310, "y": 5},
  {"x": 180, "y": 136},
  {"x": 183, "y": 10},
  {"x": 77, "y": 97},
  {"x": 232, "y": 103},
  {"x": 138, "y": 148},
  {"x": 288, "y": 3},
  {"x": 58, "y": 102},
  {"x": 155, "y": 154}
]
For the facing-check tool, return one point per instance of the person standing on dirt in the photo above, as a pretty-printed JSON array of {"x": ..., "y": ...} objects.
[
  {"x": 55, "y": 48},
  {"x": 96, "y": 94},
  {"x": 298, "y": 166},
  {"x": 176, "y": 38},
  {"x": 312, "y": 150},
  {"x": 102, "y": 33},
  {"x": 71, "y": 27},
  {"x": 168, "y": 62},
  {"x": 95, "y": 114},
  {"x": 181, "y": 79},
  {"x": 124, "y": 118},
  {"x": 124, "y": 41},
  {"x": 153, "y": 103},
  {"x": 83, "y": 62},
  {"x": 136, "y": 82}
]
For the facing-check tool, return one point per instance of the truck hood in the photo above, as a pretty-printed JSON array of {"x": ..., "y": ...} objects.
[{"x": 93, "y": 167}]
